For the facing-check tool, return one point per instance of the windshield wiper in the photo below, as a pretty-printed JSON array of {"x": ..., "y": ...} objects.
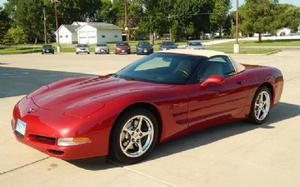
[{"x": 113, "y": 75}]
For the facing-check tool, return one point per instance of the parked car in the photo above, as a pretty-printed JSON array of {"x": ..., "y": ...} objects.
[
  {"x": 82, "y": 48},
  {"x": 166, "y": 45},
  {"x": 144, "y": 48},
  {"x": 194, "y": 44},
  {"x": 160, "y": 97},
  {"x": 122, "y": 48},
  {"x": 102, "y": 49},
  {"x": 47, "y": 49}
]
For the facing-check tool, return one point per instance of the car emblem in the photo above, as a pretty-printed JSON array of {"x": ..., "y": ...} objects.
[{"x": 31, "y": 110}]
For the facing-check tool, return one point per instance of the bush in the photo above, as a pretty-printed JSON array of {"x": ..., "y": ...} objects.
[{"x": 15, "y": 35}]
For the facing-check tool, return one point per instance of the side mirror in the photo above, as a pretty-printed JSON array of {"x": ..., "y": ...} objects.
[{"x": 214, "y": 79}]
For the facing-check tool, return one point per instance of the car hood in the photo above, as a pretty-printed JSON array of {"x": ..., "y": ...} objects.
[
  {"x": 101, "y": 47},
  {"x": 82, "y": 96},
  {"x": 123, "y": 47},
  {"x": 168, "y": 46},
  {"x": 144, "y": 47}
]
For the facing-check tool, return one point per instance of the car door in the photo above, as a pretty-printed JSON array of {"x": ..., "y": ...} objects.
[
  {"x": 232, "y": 91},
  {"x": 215, "y": 103}
]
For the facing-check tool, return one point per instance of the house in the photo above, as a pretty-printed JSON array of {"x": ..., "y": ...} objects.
[
  {"x": 283, "y": 32},
  {"x": 89, "y": 33},
  {"x": 67, "y": 33},
  {"x": 98, "y": 32}
]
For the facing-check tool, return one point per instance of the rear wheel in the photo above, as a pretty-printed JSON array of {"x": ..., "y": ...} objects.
[
  {"x": 261, "y": 105},
  {"x": 134, "y": 136}
]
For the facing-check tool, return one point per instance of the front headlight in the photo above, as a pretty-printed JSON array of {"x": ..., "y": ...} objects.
[{"x": 72, "y": 141}]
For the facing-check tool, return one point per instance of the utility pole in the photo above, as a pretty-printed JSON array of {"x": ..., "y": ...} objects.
[
  {"x": 45, "y": 29},
  {"x": 126, "y": 20},
  {"x": 56, "y": 20},
  {"x": 236, "y": 47}
]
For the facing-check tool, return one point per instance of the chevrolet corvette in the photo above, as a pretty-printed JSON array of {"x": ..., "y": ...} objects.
[{"x": 160, "y": 97}]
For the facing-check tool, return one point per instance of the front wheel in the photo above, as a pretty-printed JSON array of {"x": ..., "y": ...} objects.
[
  {"x": 261, "y": 105},
  {"x": 134, "y": 136}
]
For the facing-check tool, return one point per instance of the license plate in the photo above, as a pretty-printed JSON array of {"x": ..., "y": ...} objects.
[
  {"x": 123, "y": 51},
  {"x": 21, "y": 127},
  {"x": 145, "y": 51},
  {"x": 47, "y": 51}
]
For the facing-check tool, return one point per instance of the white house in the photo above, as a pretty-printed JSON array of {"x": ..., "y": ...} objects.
[
  {"x": 283, "y": 32},
  {"x": 93, "y": 33},
  {"x": 89, "y": 33},
  {"x": 67, "y": 33}
]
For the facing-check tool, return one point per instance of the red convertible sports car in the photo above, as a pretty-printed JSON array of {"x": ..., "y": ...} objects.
[{"x": 160, "y": 97}]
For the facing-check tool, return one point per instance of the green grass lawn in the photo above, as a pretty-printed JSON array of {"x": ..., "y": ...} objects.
[
  {"x": 229, "y": 50},
  {"x": 264, "y": 43},
  {"x": 19, "y": 50},
  {"x": 224, "y": 47}
]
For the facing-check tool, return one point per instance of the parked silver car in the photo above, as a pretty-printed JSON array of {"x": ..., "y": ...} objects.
[
  {"x": 194, "y": 44},
  {"x": 82, "y": 48},
  {"x": 102, "y": 49}
]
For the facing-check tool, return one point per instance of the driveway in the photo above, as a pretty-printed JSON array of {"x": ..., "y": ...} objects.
[{"x": 236, "y": 154}]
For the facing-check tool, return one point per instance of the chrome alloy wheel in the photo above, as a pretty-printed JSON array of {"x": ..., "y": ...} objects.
[
  {"x": 262, "y": 105},
  {"x": 136, "y": 136}
]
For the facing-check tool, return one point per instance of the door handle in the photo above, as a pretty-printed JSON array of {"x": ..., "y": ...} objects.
[
  {"x": 220, "y": 94},
  {"x": 240, "y": 82}
]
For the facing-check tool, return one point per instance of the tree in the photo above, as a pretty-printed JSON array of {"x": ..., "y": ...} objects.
[
  {"x": 78, "y": 10},
  {"x": 108, "y": 12},
  {"x": 287, "y": 16},
  {"x": 15, "y": 35},
  {"x": 155, "y": 17},
  {"x": 219, "y": 15},
  {"x": 28, "y": 15},
  {"x": 4, "y": 23},
  {"x": 257, "y": 16}
]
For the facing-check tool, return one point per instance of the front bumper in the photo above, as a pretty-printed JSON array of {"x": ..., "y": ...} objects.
[
  {"x": 144, "y": 51},
  {"x": 101, "y": 51},
  {"x": 82, "y": 51},
  {"x": 122, "y": 51},
  {"x": 43, "y": 136}
]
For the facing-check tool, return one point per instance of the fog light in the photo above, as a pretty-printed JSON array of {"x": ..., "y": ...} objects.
[{"x": 72, "y": 141}]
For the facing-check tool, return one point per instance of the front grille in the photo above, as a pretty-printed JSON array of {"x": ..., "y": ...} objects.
[
  {"x": 55, "y": 152},
  {"x": 42, "y": 139}
]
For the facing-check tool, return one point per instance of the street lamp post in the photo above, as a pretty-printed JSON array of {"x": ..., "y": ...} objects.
[
  {"x": 56, "y": 21},
  {"x": 126, "y": 20},
  {"x": 45, "y": 29},
  {"x": 236, "y": 47}
]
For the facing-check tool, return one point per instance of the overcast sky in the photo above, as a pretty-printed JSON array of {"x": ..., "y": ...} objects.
[{"x": 295, "y": 2}]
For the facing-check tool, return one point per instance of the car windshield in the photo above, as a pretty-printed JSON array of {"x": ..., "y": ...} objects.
[
  {"x": 82, "y": 45},
  {"x": 122, "y": 44},
  {"x": 144, "y": 44},
  {"x": 195, "y": 44},
  {"x": 168, "y": 43},
  {"x": 101, "y": 45},
  {"x": 47, "y": 47},
  {"x": 166, "y": 68}
]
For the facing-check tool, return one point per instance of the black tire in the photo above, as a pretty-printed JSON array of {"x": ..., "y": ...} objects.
[
  {"x": 116, "y": 152},
  {"x": 252, "y": 117}
]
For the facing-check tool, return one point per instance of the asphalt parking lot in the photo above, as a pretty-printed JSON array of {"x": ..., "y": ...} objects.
[{"x": 236, "y": 154}]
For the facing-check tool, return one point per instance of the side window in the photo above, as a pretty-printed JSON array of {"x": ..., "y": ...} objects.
[{"x": 219, "y": 65}]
